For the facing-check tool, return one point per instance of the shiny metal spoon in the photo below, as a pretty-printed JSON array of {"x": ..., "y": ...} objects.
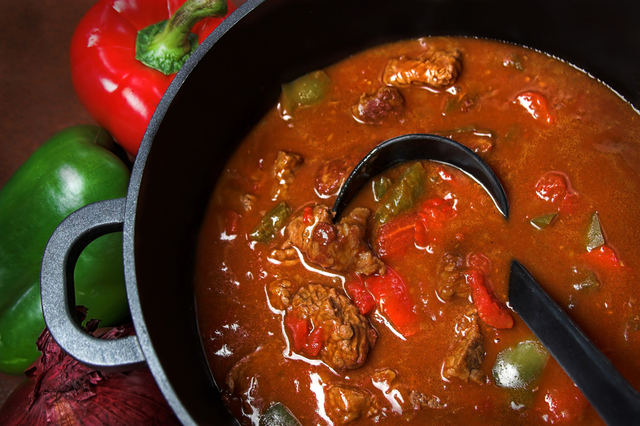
[{"x": 615, "y": 400}]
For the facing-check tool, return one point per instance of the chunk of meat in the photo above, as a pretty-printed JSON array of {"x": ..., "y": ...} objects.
[
  {"x": 280, "y": 293},
  {"x": 339, "y": 247},
  {"x": 285, "y": 255},
  {"x": 466, "y": 354},
  {"x": 372, "y": 108},
  {"x": 330, "y": 176},
  {"x": 419, "y": 400},
  {"x": 451, "y": 280},
  {"x": 284, "y": 168},
  {"x": 437, "y": 69},
  {"x": 348, "y": 337},
  {"x": 243, "y": 382},
  {"x": 344, "y": 404}
]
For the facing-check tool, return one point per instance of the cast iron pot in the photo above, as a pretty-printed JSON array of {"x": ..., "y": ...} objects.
[{"x": 226, "y": 86}]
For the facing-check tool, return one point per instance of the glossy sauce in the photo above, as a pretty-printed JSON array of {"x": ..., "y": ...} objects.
[{"x": 585, "y": 134}]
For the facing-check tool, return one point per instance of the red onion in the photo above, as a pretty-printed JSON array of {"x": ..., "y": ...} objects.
[{"x": 61, "y": 391}]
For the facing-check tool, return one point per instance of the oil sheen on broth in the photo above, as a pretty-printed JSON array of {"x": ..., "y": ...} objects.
[{"x": 399, "y": 311}]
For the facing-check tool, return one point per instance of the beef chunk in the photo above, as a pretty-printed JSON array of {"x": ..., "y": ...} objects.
[
  {"x": 329, "y": 177},
  {"x": 284, "y": 168},
  {"x": 450, "y": 280},
  {"x": 348, "y": 336},
  {"x": 285, "y": 255},
  {"x": 437, "y": 69},
  {"x": 467, "y": 352},
  {"x": 280, "y": 293},
  {"x": 419, "y": 400},
  {"x": 243, "y": 380},
  {"x": 344, "y": 404},
  {"x": 338, "y": 247},
  {"x": 371, "y": 108}
]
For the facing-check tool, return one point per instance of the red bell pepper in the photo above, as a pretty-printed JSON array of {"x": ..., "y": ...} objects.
[
  {"x": 396, "y": 236},
  {"x": 421, "y": 229},
  {"x": 299, "y": 329},
  {"x": 536, "y": 105},
  {"x": 555, "y": 187},
  {"x": 118, "y": 90},
  {"x": 490, "y": 309},
  {"x": 360, "y": 296},
  {"x": 394, "y": 299},
  {"x": 603, "y": 257},
  {"x": 561, "y": 404},
  {"x": 315, "y": 341},
  {"x": 310, "y": 342}
]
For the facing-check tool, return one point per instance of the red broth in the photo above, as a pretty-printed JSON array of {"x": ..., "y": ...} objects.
[{"x": 408, "y": 291}]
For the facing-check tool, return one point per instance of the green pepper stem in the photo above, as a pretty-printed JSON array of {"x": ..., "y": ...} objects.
[{"x": 166, "y": 45}]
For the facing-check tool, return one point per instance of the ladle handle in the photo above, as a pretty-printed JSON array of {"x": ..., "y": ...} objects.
[
  {"x": 57, "y": 288},
  {"x": 617, "y": 402}
]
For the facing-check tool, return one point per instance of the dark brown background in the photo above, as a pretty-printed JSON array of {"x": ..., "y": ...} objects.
[{"x": 36, "y": 93}]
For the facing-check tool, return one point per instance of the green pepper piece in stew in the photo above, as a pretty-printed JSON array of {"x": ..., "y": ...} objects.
[
  {"x": 380, "y": 187},
  {"x": 271, "y": 223},
  {"x": 403, "y": 194},
  {"x": 278, "y": 415},
  {"x": 590, "y": 283},
  {"x": 595, "y": 236},
  {"x": 305, "y": 90},
  {"x": 520, "y": 366},
  {"x": 543, "y": 221}
]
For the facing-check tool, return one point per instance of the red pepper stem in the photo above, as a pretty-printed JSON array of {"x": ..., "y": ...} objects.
[{"x": 166, "y": 45}]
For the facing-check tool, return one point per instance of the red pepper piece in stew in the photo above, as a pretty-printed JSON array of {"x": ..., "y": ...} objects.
[
  {"x": 435, "y": 211},
  {"x": 360, "y": 296},
  {"x": 307, "y": 216},
  {"x": 395, "y": 237},
  {"x": 314, "y": 342},
  {"x": 555, "y": 187},
  {"x": 536, "y": 105},
  {"x": 299, "y": 329},
  {"x": 490, "y": 309},
  {"x": 433, "y": 214},
  {"x": 303, "y": 339},
  {"x": 393, "y": 297},
  {"x": 603, "y": 257},
  {"x": 563, "y": 403}
]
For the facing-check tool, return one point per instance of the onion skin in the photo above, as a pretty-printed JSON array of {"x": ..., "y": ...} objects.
[{"x": 61, "y": 391}]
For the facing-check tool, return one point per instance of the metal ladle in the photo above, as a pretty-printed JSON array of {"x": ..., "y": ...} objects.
[{"x": 615, "y": 400}]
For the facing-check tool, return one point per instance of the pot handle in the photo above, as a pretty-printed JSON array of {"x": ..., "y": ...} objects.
[{"x": 57, "y": 288}]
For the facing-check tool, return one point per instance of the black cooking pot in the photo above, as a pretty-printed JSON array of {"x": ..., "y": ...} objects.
[{"x": 225, "y": 87}]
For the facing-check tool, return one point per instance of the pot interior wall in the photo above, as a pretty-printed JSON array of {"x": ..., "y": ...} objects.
[{"x": 238, "y": 79}]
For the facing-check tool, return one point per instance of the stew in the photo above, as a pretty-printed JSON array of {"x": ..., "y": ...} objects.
[{"x": 398, "y": 311}]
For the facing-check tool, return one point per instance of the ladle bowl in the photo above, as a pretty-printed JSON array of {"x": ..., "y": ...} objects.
[
  {"x": 615, "y": 400},
  {"x": 421, "y": 146}
]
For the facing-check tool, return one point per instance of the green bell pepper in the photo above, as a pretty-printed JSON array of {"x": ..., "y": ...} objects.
[{"x": 72, "y": 169}]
